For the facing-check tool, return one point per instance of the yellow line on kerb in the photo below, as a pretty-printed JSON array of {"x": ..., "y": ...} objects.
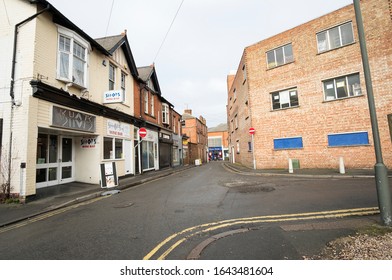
[
  {"x": 49, "y": 214},
  {"x": 260, "y": 219}
]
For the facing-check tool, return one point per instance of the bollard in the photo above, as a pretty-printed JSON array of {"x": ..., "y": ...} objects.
[
  {"x": 291, "y": 170},
  {"x": 342, "y": 170}
]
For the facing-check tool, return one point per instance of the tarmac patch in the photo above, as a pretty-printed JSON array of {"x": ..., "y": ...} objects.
[{"x": 249, "y": 187}]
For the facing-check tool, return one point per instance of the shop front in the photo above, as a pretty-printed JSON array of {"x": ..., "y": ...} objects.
[{"x": 146, "y": 158}]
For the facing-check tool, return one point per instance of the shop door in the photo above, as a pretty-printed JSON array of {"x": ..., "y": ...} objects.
[
  {"x": 66, "y": 161},
  {"x": 128, "y": 156}
]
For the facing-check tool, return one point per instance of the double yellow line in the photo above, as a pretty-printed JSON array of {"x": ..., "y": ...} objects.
[
  {"x": 48, "y": 214},
  {"x": 176, "y": 239}
]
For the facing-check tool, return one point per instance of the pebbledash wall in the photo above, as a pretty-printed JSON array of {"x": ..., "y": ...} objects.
[{"x": 302, "y": 94}]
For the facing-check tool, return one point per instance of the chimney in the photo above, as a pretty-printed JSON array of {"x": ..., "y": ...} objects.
[
  {"x": 124, "y": 33},
  {"x": 188, "y": 111}
]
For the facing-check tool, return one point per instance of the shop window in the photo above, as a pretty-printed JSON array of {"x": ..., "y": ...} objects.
[{"x": 112, "y": 148}]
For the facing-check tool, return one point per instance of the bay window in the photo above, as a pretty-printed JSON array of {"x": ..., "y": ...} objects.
[{"x": 72, "y": 58}]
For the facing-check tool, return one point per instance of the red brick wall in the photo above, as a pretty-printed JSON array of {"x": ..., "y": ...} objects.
[{"x": 314, "y": 119}]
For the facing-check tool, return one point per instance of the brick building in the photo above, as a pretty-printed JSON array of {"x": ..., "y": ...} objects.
[
  {"x": 304, "y": 93},
  {"x": 196, "y": 131},
  {"x": 218, "y": 144}
]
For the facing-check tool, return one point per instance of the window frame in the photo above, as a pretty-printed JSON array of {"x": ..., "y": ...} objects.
[
  {"x": 145, "y": 98},
  {"x": 113, "y": 152},
  {"x": 354, "y": 92},
  {"x": 112, "y": 78},
  {"x": 74, "y": 39},
  {"x": 165, "y": 113},
  {"x": 289, "y": 92},
  {"x": 286, "y": 59},
  {"x": 328, "y": 37},
  {"x": 123, "y": 84}
]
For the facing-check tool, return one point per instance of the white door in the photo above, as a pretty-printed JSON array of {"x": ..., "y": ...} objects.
[
  {"x": 66, "y": 160},
  {"x": 128, "y": 152}
]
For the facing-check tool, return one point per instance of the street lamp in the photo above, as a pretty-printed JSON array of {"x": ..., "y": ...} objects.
[{"x": 381, "y": 172}]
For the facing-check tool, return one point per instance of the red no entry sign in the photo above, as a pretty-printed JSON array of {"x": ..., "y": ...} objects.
[
  {"x": 142, "y": 132},
  {"x": 252, "y": 130}
]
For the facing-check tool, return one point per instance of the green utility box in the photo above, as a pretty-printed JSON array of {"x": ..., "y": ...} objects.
[{"x": 295, "y": 163}]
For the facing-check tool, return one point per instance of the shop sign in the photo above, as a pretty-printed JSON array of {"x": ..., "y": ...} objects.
[
  {"x": 88, "y": 142},
  {"x": 115, "y": 128},
  {"x": 109, "y": 177},
  {"x": 113, "y": 96},
  {"x": 70, "y": 119}
]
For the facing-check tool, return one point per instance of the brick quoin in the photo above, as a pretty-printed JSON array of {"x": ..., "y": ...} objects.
[{"x": 249, "y": 102}]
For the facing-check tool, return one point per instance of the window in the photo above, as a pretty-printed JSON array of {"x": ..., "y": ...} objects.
[
  {"x": 165, "y": 113},
  {"x": 72, "y": 57},
  {"x": 123, "y": 76},
  {"x": 238, "y": 146},
  {"x": 244, "y": 73},
  {"x": 214, "y": 141},
  {"x": 112, "y": 148},
  {"x": 285, "y": 99},
  {"x": 335, "y": 37},
  {"x": 146, "y": 102},
  {"x": 249, "y": 146},
  {"x": 152, "y": 105},
  {"x": 280, "y": 56},
  {"x": 342, "y": 87},
  {"x": 112, "y": 76},
  {"x": 236, "y": 121}
]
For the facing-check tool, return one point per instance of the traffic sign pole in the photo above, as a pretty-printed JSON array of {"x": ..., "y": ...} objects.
[
  {"x": 252, "y": 132},
  {"x": 253, "y": 151}
]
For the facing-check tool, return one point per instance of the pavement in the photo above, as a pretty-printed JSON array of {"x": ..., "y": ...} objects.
[
  {"x": 52, "y": 198},
  {"x": 56, "y": 197}
]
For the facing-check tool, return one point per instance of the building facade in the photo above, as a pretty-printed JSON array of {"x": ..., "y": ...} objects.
[
  {"x": 196, "y": 131},
  {"x": 161, "y": 148},
  {"x": 218, "y": 144},
  {"x": 303, "y": 91},
  {"x": 67, "y": 103}
]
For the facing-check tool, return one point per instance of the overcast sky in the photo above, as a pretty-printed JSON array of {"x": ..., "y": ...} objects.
[{"x": 205, "y": 43}]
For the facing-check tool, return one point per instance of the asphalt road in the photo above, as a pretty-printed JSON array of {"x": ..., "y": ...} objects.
[{"x": 197, "y": 206}]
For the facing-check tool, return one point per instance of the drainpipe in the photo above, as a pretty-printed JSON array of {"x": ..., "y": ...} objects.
[{"x": 12, "y": 93}]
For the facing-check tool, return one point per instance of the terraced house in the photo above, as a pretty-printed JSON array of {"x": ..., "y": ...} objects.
[
  {"x": 67, "y": 100},
  {"x": 303, "y": 92}
]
